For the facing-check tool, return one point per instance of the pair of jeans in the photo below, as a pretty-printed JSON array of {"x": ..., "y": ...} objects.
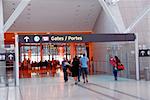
[
  {"x": 79, "y": 74},
  {"x": 84, "y": 73},
  {"x": 65, "y": 74},
  {"x": 115, "y": 72}
]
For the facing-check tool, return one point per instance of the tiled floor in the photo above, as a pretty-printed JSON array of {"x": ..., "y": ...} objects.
[{"x": 100, "y": 87}]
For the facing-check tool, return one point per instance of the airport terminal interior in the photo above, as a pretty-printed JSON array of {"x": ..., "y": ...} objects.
[{"x": 47, "y": 46}]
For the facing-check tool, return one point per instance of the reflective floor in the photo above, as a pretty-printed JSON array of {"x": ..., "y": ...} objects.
[{"x": 100, "y": 87}]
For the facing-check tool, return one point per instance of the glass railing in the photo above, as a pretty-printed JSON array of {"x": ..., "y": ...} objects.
[{"x": 104, "y": 67}]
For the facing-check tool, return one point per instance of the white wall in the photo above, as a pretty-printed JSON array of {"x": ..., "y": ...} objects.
[{"x": 104, "y": 24}]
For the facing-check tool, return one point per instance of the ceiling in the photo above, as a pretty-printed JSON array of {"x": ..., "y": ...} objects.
[{"x": 53, "y": 15}]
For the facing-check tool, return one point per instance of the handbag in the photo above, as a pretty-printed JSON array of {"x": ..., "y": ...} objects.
[{"x": 120, "y": 67}]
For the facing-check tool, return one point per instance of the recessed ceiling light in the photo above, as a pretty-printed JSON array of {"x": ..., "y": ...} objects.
[
  {"x": 13, "y": 3},
  {"x": 78, "y": 5},
  {"x": 29, "y": 4},
  {"x": 13, "y": 8}
]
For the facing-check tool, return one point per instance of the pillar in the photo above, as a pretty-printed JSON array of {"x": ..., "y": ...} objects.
[
  {"x": 72, "y": 50},
  {"x": 41, "y": 51},
  {"x": 2, "y": 63}
]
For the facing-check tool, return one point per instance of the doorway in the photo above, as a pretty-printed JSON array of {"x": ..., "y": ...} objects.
[{"x": 37, "y": 58}]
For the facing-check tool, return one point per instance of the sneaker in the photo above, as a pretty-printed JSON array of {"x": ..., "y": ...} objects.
[
  {"x": 87, "y": 81},
  {"x": 66, "y": 81},
  {"x": 76, "y": 83}
]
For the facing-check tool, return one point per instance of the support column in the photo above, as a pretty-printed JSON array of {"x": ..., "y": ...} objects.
[
  {"x": 29, "y": 54},
  {"x": 1, "y": 27},
  {"x": 90, "y": 50},
  {"x": 41, "y": 51},
  {"x": 72, "y": 50},
  {"x": 2, "y": 63},
  {"x": 17, "y": 61},
  {"x": 137, "y": 58}
]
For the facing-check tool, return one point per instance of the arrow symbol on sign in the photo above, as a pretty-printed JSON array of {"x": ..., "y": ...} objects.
[
  {"x": 10, "y": 57},
  {"x": 26, "y": 39}
]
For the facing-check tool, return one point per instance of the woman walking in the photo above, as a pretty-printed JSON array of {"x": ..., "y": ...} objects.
[
  {"x": 75, "y": 68},
  {"x": 115, "y": 62}
]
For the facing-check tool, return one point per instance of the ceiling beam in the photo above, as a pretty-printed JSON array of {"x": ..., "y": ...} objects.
[
  {"x": 15, "y": 14},
  {"x": 110, "y": 14},
  {"x": 137, "y": 19}
]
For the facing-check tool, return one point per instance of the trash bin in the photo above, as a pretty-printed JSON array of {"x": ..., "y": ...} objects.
[{"x": 147, "y": 73}]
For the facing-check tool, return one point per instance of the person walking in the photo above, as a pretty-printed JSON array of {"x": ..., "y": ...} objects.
[
  {"x": 84, "y": 67},
  {"x": 115, "y": 61},
  {"x": 79, "y": 71},
  {"x": 65, "y": 69},
  {"x": 75, "y": 68}
]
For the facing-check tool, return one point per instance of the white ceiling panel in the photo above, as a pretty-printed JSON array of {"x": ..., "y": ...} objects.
[{"x": 54, "y": 15}]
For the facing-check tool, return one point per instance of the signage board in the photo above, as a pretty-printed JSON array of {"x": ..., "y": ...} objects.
[
  {"x": 2, "y": 57},
  {"x": 7, "y": 56},
  {"x": 63, "y": 38},
  {"x": 144, "y": 53},
  {"x": 10, "y": 56}
]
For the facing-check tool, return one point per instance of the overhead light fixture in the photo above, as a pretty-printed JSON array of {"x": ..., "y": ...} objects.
[
  {"x": 78, "y": 5},
  {"x": 29, "y": 4},
  {"x": 13, "y": 3},
  {"x": 111, "y": 2}
]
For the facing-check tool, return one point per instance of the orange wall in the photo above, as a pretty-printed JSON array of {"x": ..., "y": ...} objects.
[{"x": 9, "y": 38}]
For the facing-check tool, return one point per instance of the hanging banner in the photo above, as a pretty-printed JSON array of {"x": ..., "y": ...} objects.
[{"x": 63, "y": 38}]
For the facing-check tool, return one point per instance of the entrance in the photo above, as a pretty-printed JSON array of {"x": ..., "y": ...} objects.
[{"x": 37, "y": 58}]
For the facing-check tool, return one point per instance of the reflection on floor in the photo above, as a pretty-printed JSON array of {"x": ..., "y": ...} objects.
[{"x": 100, "y": 87}]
